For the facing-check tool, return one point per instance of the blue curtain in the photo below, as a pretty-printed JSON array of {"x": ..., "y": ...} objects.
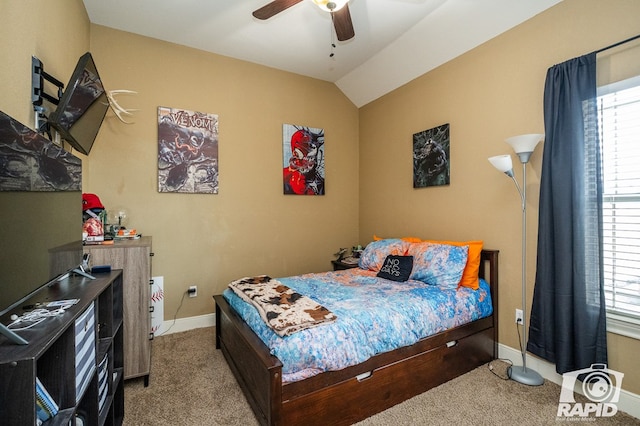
[{"x": 568, "y": 317}]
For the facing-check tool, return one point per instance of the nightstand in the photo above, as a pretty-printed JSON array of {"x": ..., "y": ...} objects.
[{"x": 339, "y": 265}]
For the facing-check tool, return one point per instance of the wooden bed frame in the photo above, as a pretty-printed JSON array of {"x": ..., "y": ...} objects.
[{"x": 355, "y": 393}]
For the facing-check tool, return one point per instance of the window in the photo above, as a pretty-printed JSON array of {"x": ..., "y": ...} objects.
[{"x": 619, "y": 126}]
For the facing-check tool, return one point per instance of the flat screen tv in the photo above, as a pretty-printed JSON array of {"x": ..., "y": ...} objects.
[
  {"x": 40, "y": 213},
  {"x": 82, "y": 107}
]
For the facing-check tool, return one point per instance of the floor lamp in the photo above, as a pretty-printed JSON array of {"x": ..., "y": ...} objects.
[{"x": 523, "y": 145}]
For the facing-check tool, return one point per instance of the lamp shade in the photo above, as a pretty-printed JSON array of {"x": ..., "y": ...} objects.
[
  {"x": 330, "y": 5},
  {"x": 524, "y": 145},
  {"x": 502, "y": 163}
]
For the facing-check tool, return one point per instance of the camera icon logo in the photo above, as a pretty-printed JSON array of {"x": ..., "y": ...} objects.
[{"x": 598, "y": 383}]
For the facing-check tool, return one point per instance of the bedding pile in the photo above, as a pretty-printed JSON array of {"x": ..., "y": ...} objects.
[{"x": 283, "y": 309}]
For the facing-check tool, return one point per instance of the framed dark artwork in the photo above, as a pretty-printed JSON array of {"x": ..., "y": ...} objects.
[
  {"x": 303, "y": 160},
  {"x": 30, "y": 162},
  {"x": 431, "y": 162},
  {"x": 187, "y": 151}
]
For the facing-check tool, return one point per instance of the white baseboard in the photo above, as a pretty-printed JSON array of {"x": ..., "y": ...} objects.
[
  {"x": 629, "y": 402},
  {"x": 186, "y": 324}
]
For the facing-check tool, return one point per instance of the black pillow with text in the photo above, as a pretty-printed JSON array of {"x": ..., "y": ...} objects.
[{"x": 396, "y": 268}]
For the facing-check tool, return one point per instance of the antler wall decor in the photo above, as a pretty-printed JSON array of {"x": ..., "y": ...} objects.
[{"x": 117, "y": 109}]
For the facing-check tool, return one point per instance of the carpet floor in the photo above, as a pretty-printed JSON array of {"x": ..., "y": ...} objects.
[{"x": 191, "y": 384}]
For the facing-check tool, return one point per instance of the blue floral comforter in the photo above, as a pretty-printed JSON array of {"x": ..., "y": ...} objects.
[{"x": 375, "y": 315}]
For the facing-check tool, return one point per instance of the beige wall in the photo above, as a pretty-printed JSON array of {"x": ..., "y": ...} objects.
[
  {"x": 57, "y": 33},
  {"x": 250, "y": 227},
  {"x": 487, "y": 95}
]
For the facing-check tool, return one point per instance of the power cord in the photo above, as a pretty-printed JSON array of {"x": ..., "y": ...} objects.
[
  {"x": 26, "y": 327},
  {"x": 35, "y": 317},
  {"x": 508, "y": 361},
  {"x": 492, "y": 368},
  {"x": 175, "y": 316},
  {"x": 520, "y": 341}
]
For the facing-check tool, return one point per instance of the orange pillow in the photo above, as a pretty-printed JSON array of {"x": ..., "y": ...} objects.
[{"x": 472, "y": 268}]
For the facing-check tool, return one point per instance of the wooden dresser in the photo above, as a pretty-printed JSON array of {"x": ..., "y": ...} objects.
[{"x": 134, "y": 258}]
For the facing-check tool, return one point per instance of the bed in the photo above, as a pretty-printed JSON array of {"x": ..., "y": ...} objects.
[{"x": 356, "y": 392}]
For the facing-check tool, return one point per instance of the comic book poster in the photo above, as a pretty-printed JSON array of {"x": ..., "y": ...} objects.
[
  {"x": 30, "y": 162},
  {"x": 431, "y": 165},
  {"x": 187, "y": 151},
  {"x": 303, "y": 160}
]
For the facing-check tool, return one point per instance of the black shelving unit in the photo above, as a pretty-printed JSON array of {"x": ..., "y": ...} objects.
[{"x": 51, "y": 356}]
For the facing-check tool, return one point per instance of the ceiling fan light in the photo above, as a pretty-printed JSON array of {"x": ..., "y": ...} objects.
[{"x": 330, "y": 5}]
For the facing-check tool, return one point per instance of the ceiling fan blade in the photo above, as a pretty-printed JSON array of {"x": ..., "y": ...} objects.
[
  {"x": 343, "y": 24},
  {"x": 273, "y": 8}
]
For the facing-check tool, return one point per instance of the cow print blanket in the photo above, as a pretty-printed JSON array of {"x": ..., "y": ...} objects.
[{"x": 281, "y": 308}]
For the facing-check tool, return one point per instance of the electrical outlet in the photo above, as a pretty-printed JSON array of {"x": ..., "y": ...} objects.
[
  {"x": 193, "y": 291},
  {"x": 519, "y": 316}
]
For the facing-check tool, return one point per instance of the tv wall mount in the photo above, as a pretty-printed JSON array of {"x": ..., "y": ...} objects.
[{"x": 39, "y": 94}]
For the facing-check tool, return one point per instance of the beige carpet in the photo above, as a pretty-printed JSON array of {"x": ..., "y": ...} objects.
[{"x": 191, "y": 384}]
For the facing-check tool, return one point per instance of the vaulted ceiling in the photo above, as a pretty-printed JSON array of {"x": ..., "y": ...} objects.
[{"x": 395, "y": 40}]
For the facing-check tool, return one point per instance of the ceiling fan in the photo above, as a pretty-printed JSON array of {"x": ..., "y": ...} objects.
[{"x": 339, "y": 10}]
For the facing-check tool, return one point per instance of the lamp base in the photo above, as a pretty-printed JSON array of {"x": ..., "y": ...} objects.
[{"x": 526, "y": 376}]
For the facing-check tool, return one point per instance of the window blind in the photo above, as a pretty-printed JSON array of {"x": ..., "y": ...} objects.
[{"x": 619, "y": 125}]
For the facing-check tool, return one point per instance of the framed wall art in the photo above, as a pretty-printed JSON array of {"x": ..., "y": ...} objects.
[
  {"x": 187, "y": 151},
  {"x": 431, "y": 161},
  {"x": 303, "y": 160}
]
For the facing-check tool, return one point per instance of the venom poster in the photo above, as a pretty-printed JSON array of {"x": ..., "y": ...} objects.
[
  {"x": 431, "y": 165},
  {"x": 187, "y": 151},
  {"x": 30, "y": 162}
]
